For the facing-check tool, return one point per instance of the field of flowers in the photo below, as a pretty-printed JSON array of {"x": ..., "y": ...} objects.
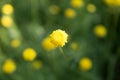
[{"x": 59, "y": 39}]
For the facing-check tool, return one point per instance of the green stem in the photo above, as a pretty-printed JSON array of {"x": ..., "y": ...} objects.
[
  {"x": 111, "y": 68},
  {"x": 62, "y": 52}
]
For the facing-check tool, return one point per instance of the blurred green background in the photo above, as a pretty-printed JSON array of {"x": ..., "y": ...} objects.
[{"x": 91, "y": 53}]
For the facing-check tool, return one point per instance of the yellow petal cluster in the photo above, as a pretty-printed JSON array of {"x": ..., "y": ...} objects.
[
  {"x": 54, "y": 9},
  {"x": 112, "y": 3},
  {"x": 29, "y": 54},
  {"x": 91, "y": 8},
  {"x": 59, "y": 38},
  {"x": 100, "y": 31},
  {"x": 7, "y": 9},
  {"x": 37, "y": 64},
  {"x": 9, "y": 66},
  {"x": 47, "y": 44},
  {"x": 15, "y": 43},
  {"x": 85, "y": 64},
  {"x": 76, "y": 3},
  {"x": 70, "y": 13},
  {"x": 6, "y": 21}
]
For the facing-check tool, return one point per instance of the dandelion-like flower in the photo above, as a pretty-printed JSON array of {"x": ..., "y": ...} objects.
[
  {"x": 70, "y": 13},
  {"x": 7, "y": 9},
  {"x": 54, "y": 9},
  {"x": 59, "y": 38},
  {"x": 100, "y": 31},
  {"x": 47, "y": 44},
  {"x": 9, "y": 66},
  {"x": 112, "y": 3},
  {"x": 15, "y": 43},
  {"x": 6, "y": 21},
  {"x": 91, "y": 8},
  {"x": 29, "y": 54},
  {"x": 77, "y": 3},
  {"x": 85, "y": 64}
]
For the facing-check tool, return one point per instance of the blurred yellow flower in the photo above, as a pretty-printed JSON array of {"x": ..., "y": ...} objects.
[
  {"x": 76, "y": 3},
  {"x": 6, "y": 21},
  {"x": 47, "y": 44},
  {"x": 91, "y": 8},
  {"x": 9, "y": 66},
  {"x": 112, "y": 3},
  {"x": 54, "y": 9},
  {"x": 85, "y": 64},
  {"x": 100, "y": 31},
  {"x": 29, "y": 54},
  {"x": 37, "y": 64},
  {"x": 7, "y": 9},
  {"x": 117, "y": 2},
  {"x": 15, "y": 43},
  {"x": 59, "y": 38},
  {"x": 69, "y": 13},
  {"x": 74, "y": 45}
]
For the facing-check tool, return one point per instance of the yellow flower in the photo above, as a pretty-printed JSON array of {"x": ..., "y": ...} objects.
[
  {"x": 15, "y": 43},
  {"x": 77, "y": 3},
  {"x": 29, "y": 54},
  {"x": 112, "y": 3},
  {"x": 9, "y": 66},
  {"x": 74, "y": 45},
  {"x": 100, "y": 31},
  {"x": 70, "y": 13},
  {"x": 117, "y": 2},
  {"x": 7, "y": 9},
  {"x": 109, "y": 2},
  {"x": 91, "y": 8},
  {"x": 47, "y": 44},
  {"x": 54, "y": 9},
  {"x": 59, "y": 38},
  {"x": 6, "y": 21},
  {"x": 37, "y": 65},
  {"x": 85, "y": 64}
]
